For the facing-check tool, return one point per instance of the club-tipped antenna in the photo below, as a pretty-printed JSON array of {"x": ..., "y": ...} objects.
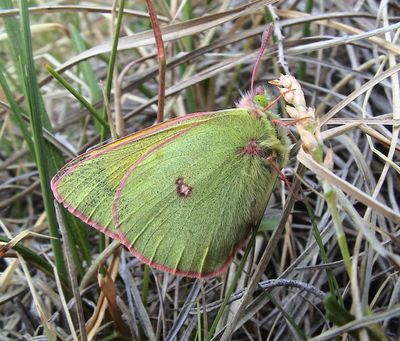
[{"x": 264, "y": 44}]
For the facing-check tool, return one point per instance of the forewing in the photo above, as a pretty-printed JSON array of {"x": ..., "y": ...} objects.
[
  {"x": 86, "y": 186},
  {"x": 187, "y": 203}
]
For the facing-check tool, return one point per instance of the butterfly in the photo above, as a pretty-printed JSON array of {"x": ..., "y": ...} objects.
[{"x": 182, "y": 195}]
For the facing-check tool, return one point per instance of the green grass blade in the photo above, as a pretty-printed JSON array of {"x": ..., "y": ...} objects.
[
  {"x": 34, "y": 259},
  {"x": 87, "y": 71},
  {"x": 332, "y": 282},
  {"x": 34, "y": 109},
  {"x": 198, "y": 321},
  {"x": 13, "y": 31},
  {"x": 54, "y": 157},
  {"x": 111, "y": 63},
  {"x": 77, "y": 95},
  {"x": 16, "y": 110},
  {"x": 80, "y": 238},
  {"x": 300, "y": 335},
  {"x": 330, "y": 198},
  {"x": 85, "y": 67}
]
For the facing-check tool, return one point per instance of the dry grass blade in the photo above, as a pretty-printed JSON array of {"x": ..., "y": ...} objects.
[
  {"x": 324, "y": 264},
  {"x": 97, "y": 263},
  {"x": 365, "y": 321},
  {"x": 332, "y": 112},
  {"x": 348, "y": 125},
  {"x": 5, "y": 280},
  {"x": 94, "y": 323},
  {"x": 365, "y": 121},
  {"x": 267, "y": 285},
  {"x": 183, "y": 314},
  {"x": 346, "y": 187},
  {"x": 49, "y": 329},
  {"x": 45, "y": 9},
  {"x": 196, "y": 78},
  {"x": 72, "y": 273},
  {"x": 357, "y": 33},
  {"x": 5, "y": 247},
  {"x": 107, "y": 287},
  {"x": 171, "y": 32},
  {"x": 369, "y": 235},
  {"x": 137, "y": 302},
  {"x": 9, "y": 201},
  {"x": 65, "y": 307}
]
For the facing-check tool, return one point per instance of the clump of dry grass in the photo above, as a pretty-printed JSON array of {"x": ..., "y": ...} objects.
[{"x": 325, "y": 262}]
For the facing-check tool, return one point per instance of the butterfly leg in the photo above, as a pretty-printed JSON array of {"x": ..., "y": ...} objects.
[
  {"x": 281, "y": 176},
  {"x": 270, "y": 105},
  {"x": 290, "y": 123}
]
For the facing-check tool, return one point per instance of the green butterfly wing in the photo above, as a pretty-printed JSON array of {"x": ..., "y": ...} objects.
[
  {"x": 87, "y": 184},
  {"x": 182, "y": 196}
]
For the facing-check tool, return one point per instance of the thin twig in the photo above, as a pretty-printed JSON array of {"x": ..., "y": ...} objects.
[
  {"x": 72, "y": 274},
  {"x": 161, "y": 60}
]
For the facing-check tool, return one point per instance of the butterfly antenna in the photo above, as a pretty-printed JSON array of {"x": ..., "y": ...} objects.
[
  {"x": 264, "y": 43},
  {"x": 271, "y": 104}
]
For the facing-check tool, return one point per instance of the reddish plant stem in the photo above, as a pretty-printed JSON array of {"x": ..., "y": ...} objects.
[
  {"x": 161, "y": 59},
  {"x": 264, "y": 44}
]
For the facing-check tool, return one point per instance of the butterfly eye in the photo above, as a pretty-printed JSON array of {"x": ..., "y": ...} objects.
[{"x": 261, "y": 101}]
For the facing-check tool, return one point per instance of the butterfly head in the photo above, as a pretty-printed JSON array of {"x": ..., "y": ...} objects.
[
  {"x": 256, "y": 103},
  {"x": 273, "y": 143},
  {"x": 261, "y": 98}
]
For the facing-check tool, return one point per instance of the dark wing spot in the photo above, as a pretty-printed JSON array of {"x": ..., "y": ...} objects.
[{"x": 182, "y": 189}]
